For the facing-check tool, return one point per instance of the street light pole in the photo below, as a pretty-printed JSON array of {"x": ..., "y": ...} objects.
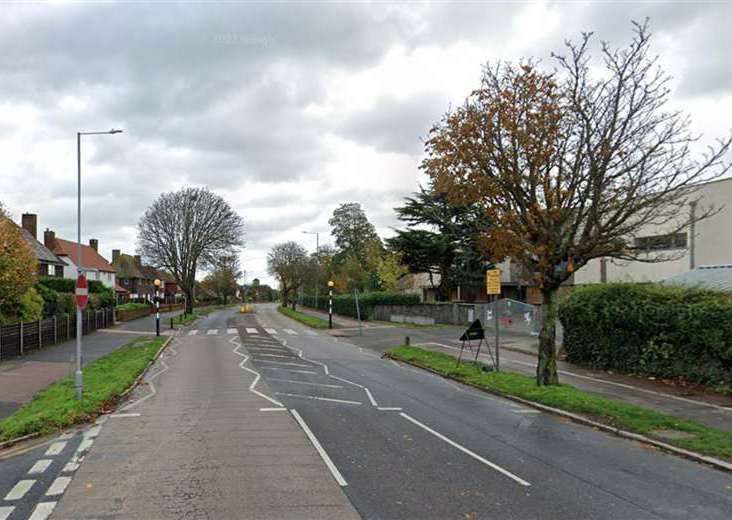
[
  {"x": 317, "y": 257},
  {"x": 78, "y": 374}
]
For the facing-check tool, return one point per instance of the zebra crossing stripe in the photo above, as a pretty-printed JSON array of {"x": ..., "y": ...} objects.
[
  {"x": 232, "y": 331},
  {"x": 212, "y": 332},
  {"x": 290, "y": 332},
  {"x": 252, "y": 330},
  {"x": 192, "y": 332},
  {"x": 5, "y": 512},
  {"x": 270, "y": 331}
]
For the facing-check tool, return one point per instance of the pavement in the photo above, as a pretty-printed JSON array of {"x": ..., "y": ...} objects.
[
  {"x": 22, "y": 377},
  {"x": 518, "y": 355}
]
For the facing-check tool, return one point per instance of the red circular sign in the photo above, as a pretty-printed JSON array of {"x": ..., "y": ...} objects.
[{"x": 82, "y": 292}]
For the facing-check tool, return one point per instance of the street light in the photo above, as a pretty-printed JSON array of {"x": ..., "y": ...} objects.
[
  {"x": 78, "y": 375},
  {"x": 330, "y": 303},
  {"x": 157, "y": 283},
  {"x": 317, "y": 257}
]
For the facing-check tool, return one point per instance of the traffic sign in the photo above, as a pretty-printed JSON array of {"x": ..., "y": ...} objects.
[
  {"x": 81, "y": 294},
  {"x": 493, "y": 281}
]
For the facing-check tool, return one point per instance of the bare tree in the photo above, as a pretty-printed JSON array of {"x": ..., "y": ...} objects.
[
  {"x": 570, "y": 167},
  {"x": 224, "y": 277},
  {"x": 186, "y": 230},
  {"x": 290, "y": 264}
]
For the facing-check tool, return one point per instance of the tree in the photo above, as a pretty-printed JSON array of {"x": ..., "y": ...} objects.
[
  {"x": 389, "y": 269},
  {"x": 352, "y": 231},
  {"x": 223, "y": 279},
  {"x": 186, "y": 230},
  {"x": 571, "y": 167},
  {"x": 289, "y": 263},
  {"x": 449, "y": 249},
  {"x": 18, "y": 266}
]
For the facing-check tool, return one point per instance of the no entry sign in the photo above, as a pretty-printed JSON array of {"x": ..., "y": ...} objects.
[{"x": 82, "y": 292}]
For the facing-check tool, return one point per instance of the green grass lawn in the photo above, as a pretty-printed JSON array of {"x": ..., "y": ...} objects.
[
  {"x": 310, "y": 321},
  {"x": 131, "y": 306},
  {"x": 105, "y": 379},
  {"x": 710, "y": 441}
]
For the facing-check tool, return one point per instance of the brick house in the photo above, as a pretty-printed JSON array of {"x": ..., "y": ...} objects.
[
  {"x": 94, "y": 265},
  {"x": 49, "y": 264}
]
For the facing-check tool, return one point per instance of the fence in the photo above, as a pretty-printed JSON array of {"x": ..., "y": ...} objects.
[{"x": 19, "y": 338}]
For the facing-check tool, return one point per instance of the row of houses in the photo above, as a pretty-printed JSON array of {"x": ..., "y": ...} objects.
[{"x": 125, "y": 274}]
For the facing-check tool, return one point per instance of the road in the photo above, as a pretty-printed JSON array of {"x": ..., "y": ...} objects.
[{"x": 259, "y": 417}]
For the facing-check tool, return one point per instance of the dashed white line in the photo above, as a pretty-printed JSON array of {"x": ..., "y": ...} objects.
[
  {"x": 319, "y": 448},
  {"x": 40, "y": 466},
  {"x": 283, "y": 363},
  {"x": 212, "y": 332},
  {"x": 304, "y": 383},
  {"x": 121, "y": 415},
  {"x": 6, "y": 511},
  {"x": 289, "y": 370},
  {"x": 252, "y": 330},
  {"x": 272, "y": 355},
  {"x": 192, "y": 332},
  {"x": 55, "y": 449},
  {"x": 273, "y": 409},
  {"x": 85, "y": 445},
  {"x": 232, "y": 331},
  {"x": 42, "y": 511},
  {"x": 466, "y": 450},
  {"x": 389, "y": 408},
  {"x": 270, "y": 331},
  {"x": 70, "y": 466},
  {"x": 58, "y": 486},
  {"x": 318, "y": 398},
  {"x": 20, "y": 489},
  {"x": 290, "y": 332}
]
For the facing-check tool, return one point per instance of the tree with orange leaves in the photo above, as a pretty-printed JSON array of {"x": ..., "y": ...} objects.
[
  {"x": 569, "y": 167},
  {"x": 17, "y": 267}
]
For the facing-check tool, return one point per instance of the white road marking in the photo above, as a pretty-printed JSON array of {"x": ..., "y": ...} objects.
[
  {"x": 371, "y": 397},
  {"x": 466, "y": 450},
  {"x": 192, "y": 332},
  {"x": 5, "y": 512},
  {"x": 149, "y": 381},
  {"x": 252, "y": 386},
  {"x": 273, "y": 409},
  {"x": 299, "y": 353},
  {"x": 20, "y": 489},
  {"x": 390, "y": 408},
  {"x": 526, "y": 411},
  {"x": 272, "y": 355},
  {"x": 283, "y": 363},
  {"x": 304, "y": 383},
  {"x": 346, "y": 381},
  {"x": 252, "y": 330},
  {"x": 92, "y": 432},
  {"x": 65, "y": 436},
  {"x": 121, "y": 415},
  {"x": 270, "y": 331},
  {"x": 290, "y": 332},
  {"x": 289, "y": 370},
  {"x": 40, "y": 466},
  {"x": 42, "y": 511},
  {"x": 319, "y": 448},
  {"x": 318, "y": 398},
  {"x": 58, "y": 486},
  {"x": 212, "y": 332},
  {"x": 70, "y": 466},
  {"x": 232, "y": 331},
  {"x": 85, "y": 445},
  {"x": 55, "y": 449},
  {"x": 277, "y": 349}
]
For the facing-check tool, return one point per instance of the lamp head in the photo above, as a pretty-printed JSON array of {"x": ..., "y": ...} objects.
[
  {"x": 331, "y": 283},
  {"x": 157, "y": 282}
]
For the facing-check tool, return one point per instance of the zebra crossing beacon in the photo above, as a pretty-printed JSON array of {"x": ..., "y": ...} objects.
[
  {"x": 157, "y": 283},
  {"x": 330, "y": 303}
]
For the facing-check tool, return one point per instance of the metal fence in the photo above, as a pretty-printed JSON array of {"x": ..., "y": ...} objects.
[{"x": 19, "y": 338}]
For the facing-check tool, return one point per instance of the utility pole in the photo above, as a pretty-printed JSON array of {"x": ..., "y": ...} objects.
[{"x": 317, "y": 258}]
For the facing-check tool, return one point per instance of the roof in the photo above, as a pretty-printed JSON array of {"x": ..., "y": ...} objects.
[
  {"x": 714, "y": 277},
  {"x": 90, "y": 259},
  {"x": 120, "y": 289},
  {"x": 42, "y": 253},
  {"x": 127, "y": 267}
]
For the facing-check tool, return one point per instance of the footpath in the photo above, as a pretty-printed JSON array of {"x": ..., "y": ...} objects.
[
  {"x": 518, "y": 354},
  {"x": 22, "y": 377}
]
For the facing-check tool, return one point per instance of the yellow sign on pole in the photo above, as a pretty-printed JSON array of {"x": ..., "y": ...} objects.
[{"x": 493, "y": 281}]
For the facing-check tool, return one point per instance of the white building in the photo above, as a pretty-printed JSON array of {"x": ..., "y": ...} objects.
[{"x": 94, "y": 266}]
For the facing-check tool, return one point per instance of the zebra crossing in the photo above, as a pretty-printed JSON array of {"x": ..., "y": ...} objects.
[{"x": 251, "y": 331}]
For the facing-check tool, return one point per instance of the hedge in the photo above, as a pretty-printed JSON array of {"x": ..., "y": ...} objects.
[
  {"x": 650, "y": 329},
  {"x": 131, "y": 306},
  {"x": 345, "y": 304},
  {"x": 58, "y": 295}
]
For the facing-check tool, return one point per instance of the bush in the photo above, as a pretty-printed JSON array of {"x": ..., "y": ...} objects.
[
  {"x": 31, "y": 306},
  {"x": 130, "y": 306},
  {"x": 345, "y": 304},
  {"x": 66, "y": 285},
  {"x": 650, "y": 329}
]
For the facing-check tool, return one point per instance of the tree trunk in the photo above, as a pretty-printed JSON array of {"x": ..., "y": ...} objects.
[
  {"x": 189, "y": 300},
  {"x": 546, "y": 370}
]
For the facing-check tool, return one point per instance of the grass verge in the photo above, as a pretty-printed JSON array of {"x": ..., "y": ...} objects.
[
  {"x": 105, "y": 379},
  {"x": 703, "y": 439},
  {"x": 310, "y": 321}
]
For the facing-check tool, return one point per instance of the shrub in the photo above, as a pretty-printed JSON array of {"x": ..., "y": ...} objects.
[
  {"x": 650, "y": 329},
  {"x": 130, "y": 306},
  {"x": 345, "y": 304},
  {"x": 31, "y": 306},
  {"x": 67, "y": 285}
]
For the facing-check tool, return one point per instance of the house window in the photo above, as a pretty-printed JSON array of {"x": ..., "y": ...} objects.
[
  {"x": 58, "y": 271},
  {"x": 42, "y": 269},
  {"x": 661, "y": 242}
]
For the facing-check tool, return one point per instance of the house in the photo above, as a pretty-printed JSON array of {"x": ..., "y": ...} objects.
[
  {"x": 139, "y": 280},
  {"x": 49, "y": 264},
  {"x": 93, "y": 265}
]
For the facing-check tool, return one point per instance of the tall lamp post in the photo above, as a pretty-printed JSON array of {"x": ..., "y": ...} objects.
[
  {"x": 317, "y": 257},
  {"x": 78, "y": 375},
  {"x": 330, "y": 303},
  {"x": 157, "y": 306}
]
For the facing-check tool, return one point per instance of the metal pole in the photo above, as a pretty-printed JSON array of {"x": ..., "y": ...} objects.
[
  {"x": 330, "y": 308},
  {"x": 79, "y": 378},
  {"x": 317, "y": 258},
  {"x": 21, "y": 338},
  {"x": 498, "y": 334},
  {"x": 157, "y": 313},
  {"x": 358, "y": 312},
  {"x": 40, "y": 335}
]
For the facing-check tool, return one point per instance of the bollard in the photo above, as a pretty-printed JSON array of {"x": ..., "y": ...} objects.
[
  {"x": 171, "y": 323},
  {"x": 407, "y": 341}
]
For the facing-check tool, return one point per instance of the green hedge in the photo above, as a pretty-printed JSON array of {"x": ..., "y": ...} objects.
[
  {"x": 130, "y": 306},
  {"x": 650, "y": 329},
  {"x": 58, "y": 295},
  {"x": 345, "y": 304}
]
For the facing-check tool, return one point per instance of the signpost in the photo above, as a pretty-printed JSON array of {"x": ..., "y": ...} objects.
[
  {"x": 493, "y": 287},
  {"x": 81, "y": 295}
]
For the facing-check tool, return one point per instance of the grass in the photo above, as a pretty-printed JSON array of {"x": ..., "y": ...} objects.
[
  {"x": 704, "y": 439},
  {"x": 131, "y": 306},
  {"x": 310, "y": 321},
  {"x": 105, "y": 379}
]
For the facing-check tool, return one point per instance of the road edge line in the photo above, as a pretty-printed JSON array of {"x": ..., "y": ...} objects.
[
  {"x": 692, "y": 455},
  {"x": 319, "y": 448}
]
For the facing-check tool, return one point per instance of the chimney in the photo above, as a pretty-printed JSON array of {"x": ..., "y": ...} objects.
[
  {"x": 30, "y": 223},
  {"x": 138, "y": 260},
  {"x": 115, "y": 255},
  {"x": 94, "y": 244},
  {"x": 49, "y": 238}
]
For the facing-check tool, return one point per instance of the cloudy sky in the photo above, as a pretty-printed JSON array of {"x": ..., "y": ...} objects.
[{"x": 284, "y": 109}]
